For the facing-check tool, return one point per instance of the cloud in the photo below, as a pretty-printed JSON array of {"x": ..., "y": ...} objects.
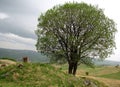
[
  {"x": 23, "y": 17},
  {"x": 19, "y": 6},
  {"x": 20, "y": 25},
  {"x": 18, "y": 30},
  {"x": 9, "y": 40},
  {"x": 19, "y": 46},
  {"x": 3, "y": 16}
]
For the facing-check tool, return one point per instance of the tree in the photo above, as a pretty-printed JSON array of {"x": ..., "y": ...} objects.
[{"x": 75, "y": 32}]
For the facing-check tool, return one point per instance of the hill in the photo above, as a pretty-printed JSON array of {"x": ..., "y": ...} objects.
[
  {"x": 5, "y": 62},
  {"x": 106, "y": 62},
  {"x": 41, "y": 75},
  {"x": 109, "y": 75},
  {"x": 18, "y": 54}
]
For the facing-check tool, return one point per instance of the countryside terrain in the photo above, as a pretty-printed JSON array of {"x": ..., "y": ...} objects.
[
  {"x": 38, "y": 57},
  {"x": 109, "y": 75},
  {"x": 40, "y": 73}
]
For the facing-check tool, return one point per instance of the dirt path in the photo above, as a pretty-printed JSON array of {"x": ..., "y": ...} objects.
[{"x": 108, "y": 82}]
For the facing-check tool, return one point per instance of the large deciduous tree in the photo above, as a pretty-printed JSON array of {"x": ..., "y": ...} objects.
[{"x": 76, "y": 32}]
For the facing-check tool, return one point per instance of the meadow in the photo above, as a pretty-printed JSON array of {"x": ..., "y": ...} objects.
[
  {"x": 19, "y": 74},
  {"x": 41, "y": 75},
  {"x": 109, "y": 75}
]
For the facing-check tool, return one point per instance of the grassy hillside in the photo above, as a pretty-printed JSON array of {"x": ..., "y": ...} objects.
[
  {"x": 109, "y": 75},
  {"x": 7, "y": 62},
  {"x": 18, "y": 54},
  {"x": 40, "y": 75},
  {"x": 112, "y": 75},
  {"x": 96, "y": 71}
]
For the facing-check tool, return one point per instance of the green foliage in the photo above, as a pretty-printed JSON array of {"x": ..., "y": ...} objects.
[{"x": 76, "y": 31}]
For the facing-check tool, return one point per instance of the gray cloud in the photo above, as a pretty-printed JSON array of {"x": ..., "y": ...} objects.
[
  {"x": 16, "y": 39},
  {"x": 18, "y": 6},
  {"x": 20, "y": 26},
  {"x": 22, "y": 19},
  {"x": 19, "y": 20}
]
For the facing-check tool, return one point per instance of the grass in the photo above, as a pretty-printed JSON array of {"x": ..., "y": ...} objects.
[
  {"x": 39, "y": 75},
  {"x": 112, "y": 76},
  {"x": 109, "y": 75},
  {"x": 96, "y": 71},
  {"x": 7, "y": 62}
]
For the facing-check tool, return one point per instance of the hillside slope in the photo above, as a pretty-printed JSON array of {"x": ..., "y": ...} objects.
[
  {"x": 18, "y": 54},
  {"x": 6, "y": 62},
  {"x": 40, "y": 75}
]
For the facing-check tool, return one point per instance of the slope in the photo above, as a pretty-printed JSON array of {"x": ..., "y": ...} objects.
[{"x": 39, "y": 75}]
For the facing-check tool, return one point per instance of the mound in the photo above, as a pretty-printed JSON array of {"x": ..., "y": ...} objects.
[
  {"x": 39, "y": 75},
  {"x": 6, "y": 62}
]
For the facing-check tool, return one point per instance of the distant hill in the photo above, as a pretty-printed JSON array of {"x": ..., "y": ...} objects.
[
  {"x": 19, "y": 54},
  {"x": 106, "y": 62},
  {"x": 38, "y": 57}
]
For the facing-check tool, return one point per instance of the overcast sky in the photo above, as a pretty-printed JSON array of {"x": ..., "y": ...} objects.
[{"x": 18, "y": 21}]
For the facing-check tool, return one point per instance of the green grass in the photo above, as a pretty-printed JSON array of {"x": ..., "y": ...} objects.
[
  {"x": 96, "y": 71},
  {"x": 112, "y": 76},
  {"x": 39, "y": 75}
]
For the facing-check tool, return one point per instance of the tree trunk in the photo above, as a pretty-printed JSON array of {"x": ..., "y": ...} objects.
[{"x": 72, "y": 68}]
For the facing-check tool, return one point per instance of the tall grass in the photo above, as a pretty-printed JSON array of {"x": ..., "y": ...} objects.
[{"x": 39, "y": 75}]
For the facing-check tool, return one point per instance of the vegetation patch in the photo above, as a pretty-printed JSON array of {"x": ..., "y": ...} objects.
[
  {"x": 6, "y": 62},
  {"x": 39, "y": 75},
  {"x": 112, "y": 75}
]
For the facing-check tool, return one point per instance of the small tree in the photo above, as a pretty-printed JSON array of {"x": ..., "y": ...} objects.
[{"x": 75, "y": 32}]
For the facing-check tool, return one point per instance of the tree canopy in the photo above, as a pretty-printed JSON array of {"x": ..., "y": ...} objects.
[{"x": 76, "y": 32}]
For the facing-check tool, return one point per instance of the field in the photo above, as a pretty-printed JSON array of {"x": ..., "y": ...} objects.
[
  {"x": 53, "y": 75},
  {"x": 109, "y": 75},
  {"x": 40, "y": 75}
]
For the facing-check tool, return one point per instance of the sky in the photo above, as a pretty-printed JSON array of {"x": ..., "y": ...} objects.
[{"x": 18, "y": 21}]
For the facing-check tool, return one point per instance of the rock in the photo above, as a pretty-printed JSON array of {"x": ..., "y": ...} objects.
[
  {"x": 87, "y": 82},
  {"x": 20, "y": 65}
]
